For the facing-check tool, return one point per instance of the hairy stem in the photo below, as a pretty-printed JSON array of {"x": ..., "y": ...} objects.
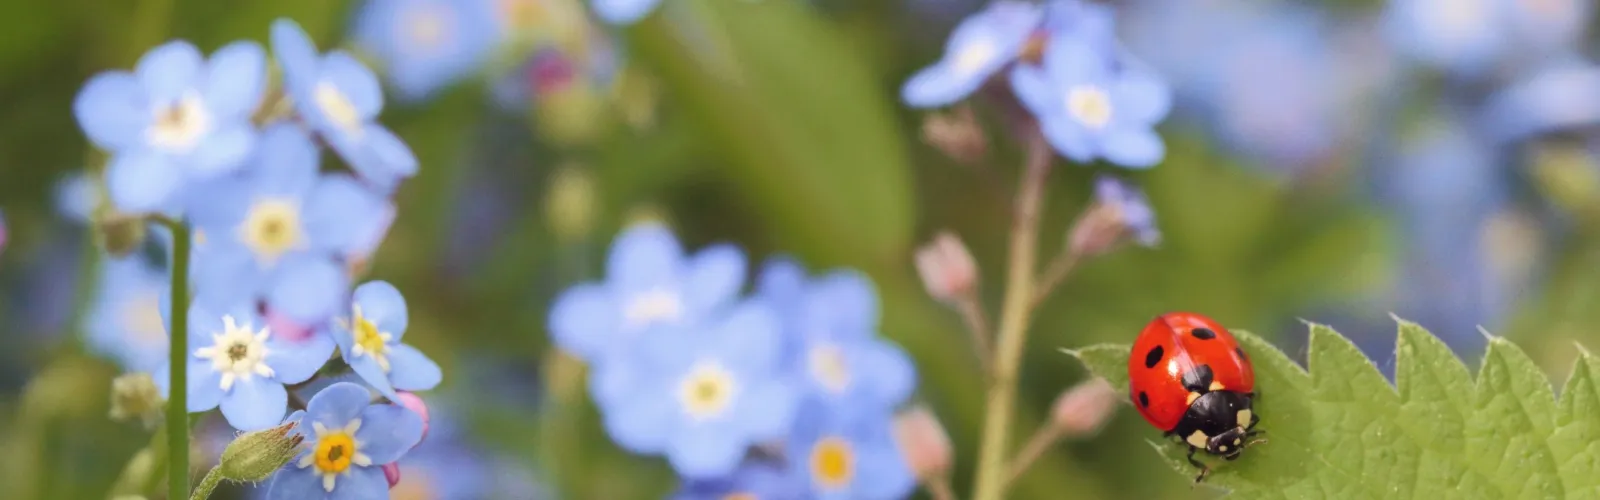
[
  {"x": 978, "y": 327},
  {"x": 208, "y": 484},
  {"x": 178, "y": 356},
  {"x": 1014, "y": 318},
  {"x": 1042, "y": 440}
]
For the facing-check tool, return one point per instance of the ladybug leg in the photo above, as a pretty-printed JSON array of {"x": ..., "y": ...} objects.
[{"x": 1196, "y": 463}]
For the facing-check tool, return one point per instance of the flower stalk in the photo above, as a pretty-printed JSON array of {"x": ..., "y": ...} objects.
[
  {"x": 178, "y": 395},
  {"x": 1015, "y": 317}
]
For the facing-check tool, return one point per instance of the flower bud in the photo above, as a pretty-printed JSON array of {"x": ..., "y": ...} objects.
[
  {"x": 119, "y": 234},
  {"x": 135, "y": 396},
  {"x": 414, "y": 403},
  {"x": 947, "y": 269},
  {"x": 1082, "y": 409},
  {"x": 255, "y": 456},
  {"x": 957, "y": 134},
  {"x": 391, "y": 472},
  {"x": 1119, "y": 213},
  {"x": 923, "y": 442}
]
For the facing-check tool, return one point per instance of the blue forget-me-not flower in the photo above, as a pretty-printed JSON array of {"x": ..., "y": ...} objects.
[
  {"x": 369, "y": 340},
  {"x": 623, "y": 12},
  {"x": 1131, "y": 207},
  {"x": 236, "y": 362},
  {"x": 831, "y": 327},
  {"x": 1559, "y": 96},
  {"x": 347, "y": 440},
  {"x": 125, "y": 321},
  {"x": 428, "y": 44},
  {"x": 278, "y": 231},
  {"x": 753, "y": 480},
  {"x": 1464, "y": 36},
  {"x": 175, "y": 117},
  {"x": 702, "y": 394},
  {"x": 340, "y": 99},
  {"x": 847, "y": 456},
  {"x": 1091, "y": 106},
  {"x": 978, "y": 48}
]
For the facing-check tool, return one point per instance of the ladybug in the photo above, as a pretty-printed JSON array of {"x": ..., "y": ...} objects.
[{"x": 1190, "y": 379}]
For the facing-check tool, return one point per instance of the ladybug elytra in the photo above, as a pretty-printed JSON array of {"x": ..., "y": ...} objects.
[{"x": 1189, "y": 377}]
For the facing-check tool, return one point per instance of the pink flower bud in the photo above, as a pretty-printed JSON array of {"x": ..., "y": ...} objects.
[
  {"x": 956, "y": 134},
  {"x": 946, "y": 267},
  {"x": 391, "y": 471},
  {"x": 1120, "y": 213},
  {"x": 923, "y": 442},
  {"x": 414, "y": 403},
  {"x": 286, "y": 328},
  {"x": 1082, "y": 409}
]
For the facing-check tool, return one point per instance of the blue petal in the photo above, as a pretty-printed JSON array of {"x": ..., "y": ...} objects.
[
  {"x": 356, "y": 81},
  {"x": 936, "y": 86},
  {"x": 623, "y": 12},
  {"x": 205, "y": 321},
  {"x": 881, "y": 471},
  {"x": 410, "y": 370},
  {"x": 766, "y": 410},
  {"x": 611, "y": 382},
  {"x": 170, "y": 70},
  {"x": 715, "y": 276},
  {"x": 1070, "y": 61},
  {"x": 255, "y": 403},
  {"x": 309, "y": 289},
  {"x": 337, "y": 404},
  {"x": 227, "y": 273},
  {"x": 363, "y": 483},
  {"x": 142, "y": 181},
  {"x": 887, "y": 372},
  {"x": 295, "y": 361},
  {"x": 1134, "y": 147},
  {"x": 382, "y": 304},
  {"x": 781, "y": 280},
  {"x": 1069, "y": 138},
  {"x": 643, "y": 419},
  {"x": 234, "y": 80},
  {"x": 295, "y": 52},
  {"x": 583, "y": 321},
  {"x": 205, "y": 385},
  {"x": 388, "y": 154},
  {"x": 644, "y": 257},
  {"x": 388, "y": 431},
  {"x": 371, "y": 373},
  {"x": 1141, "y": 98},
  {"x": 223, "y": 150},
  {"x": 852, "y": 299},
  {"x": 113, "y": 110},
  {"x": 287, "y": 162},
  {"x": 705, "y": 451},
  {"x": 748, "y": 338},
  {"x": 1032, "y": 86},
  {"x": 294, "y": 483},
  {"x": 343, "y": 216}
]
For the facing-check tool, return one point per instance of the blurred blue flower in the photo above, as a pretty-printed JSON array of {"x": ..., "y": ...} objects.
[
  {"x": 1131, "y": 206},
  {"x": 650, "y": 283},
  {"x": 236, "y": 362},
  {"x": 831, "y": 328},
  {"x": 754, "y": 480},
  {"x": 702, "y": 395},
  {"x": 1559, "y": 96},
  {"x": 978, "y": 47},
  {"x": 75, "y": 198},
  {"x": 278, "y": 231},
  {"x": 176, "y": 116},
  {"x": 125, "y": 320},
  {"x": 1092, "y": 22},
  {"x": 623, "y": 12},
  {"x": 428, "y": 44},
  {"x": 848, "y": 457},
  {"x": 1088, "y": 108},
  {"x": 369, "y": 340},
  {"x": 340, "y": 99},
  {"x": 1462, "y": 36},
  {"x": 1550, "y": 26},
  {"x": 347, "y": 440}
]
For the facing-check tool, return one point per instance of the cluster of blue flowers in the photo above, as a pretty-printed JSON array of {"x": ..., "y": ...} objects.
[
  {"x": 1092, "y": 99},
  {"x": 786, "y": 394},
  {"x": 278, "y": 237}
]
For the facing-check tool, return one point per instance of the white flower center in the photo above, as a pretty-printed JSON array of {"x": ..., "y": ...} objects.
[
  {"x": 1459, "y": 20},
  {"x": 707, "y": 391},
  {"x": 427, "y": 27},
  {"x": 974, "y": 56},
  {"x": 142, "y": 317},
  {"x": 272, "y": 228},
  {"x": 333, "y": 451},
  {"x": 368, "y": 340},
  {"x": 651, "y": 307},
  {"x": 338, "y": 108},
  {"x": 829, "y": 367},
  {"x": 1089, "y": 105},
  {"x": 237, "y": 352},
  {"x": 179, "y": 125}
]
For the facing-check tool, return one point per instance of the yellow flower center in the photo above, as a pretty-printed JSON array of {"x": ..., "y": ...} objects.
[
  {"x": 337, "y": 107},
  {"x": 333, "y": 451},
  {"x": 654, "y": 306},
  {"x": 1089, "y": 105},
  {"x": 426, "y": 26},
  {"x": 829, "y": 367},
  {"x": 974, "y": 56},
  {"x": 368, "y": 340},
  {"x": 180, "y": 125},
  {"x": 521, "y": 14},
  {"x": 271, "y": 229},
  {"x": 833, "y": 463},
  {"x": 707, "y": 391}
]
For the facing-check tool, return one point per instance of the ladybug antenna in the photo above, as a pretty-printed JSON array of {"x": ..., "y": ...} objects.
[
  {"x": 1072, "y": 352},
  {"x": 1485, "y": 332},
  {"x": 1254, "y": 442}
]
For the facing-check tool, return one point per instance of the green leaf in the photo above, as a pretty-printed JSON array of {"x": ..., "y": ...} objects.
[{"x": 1342, "y": 431}]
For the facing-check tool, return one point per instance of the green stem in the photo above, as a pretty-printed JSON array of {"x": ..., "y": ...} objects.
[
  {"x": 212, "y": 479},
  {"x": 1014, "y": 319},
  {"x": 178, "y": 401}
]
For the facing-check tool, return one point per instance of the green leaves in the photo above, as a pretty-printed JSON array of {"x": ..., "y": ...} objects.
[{"x": 1341, "y": 431}]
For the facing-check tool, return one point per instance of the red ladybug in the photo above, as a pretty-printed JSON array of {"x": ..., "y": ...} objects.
[{"x": 1190, "y": 378}]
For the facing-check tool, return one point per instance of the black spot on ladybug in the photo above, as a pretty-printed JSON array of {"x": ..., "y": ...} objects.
[
  {"x": 1203, "y": 333},
  {"x": 1153, "y": 357},
  {"x": 1240, "y": 352},
  {"x": 1198, "y": 379},
  {"x": 1144, "y": 399}
]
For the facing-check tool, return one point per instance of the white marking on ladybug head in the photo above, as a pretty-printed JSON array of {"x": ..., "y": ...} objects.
[
  {"x": 1198, "y": 439},
  {"x": 1192, "y": 396},
  {"x": 1242, "y": 419},
  {"x": 1236, "y": 441},
  {"x": 1216, "y": 386},
  {"x": 1223, "y": 448}
]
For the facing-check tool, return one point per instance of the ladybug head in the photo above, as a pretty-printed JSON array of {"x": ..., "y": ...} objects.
[{"x": 1229, "y": 444}]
